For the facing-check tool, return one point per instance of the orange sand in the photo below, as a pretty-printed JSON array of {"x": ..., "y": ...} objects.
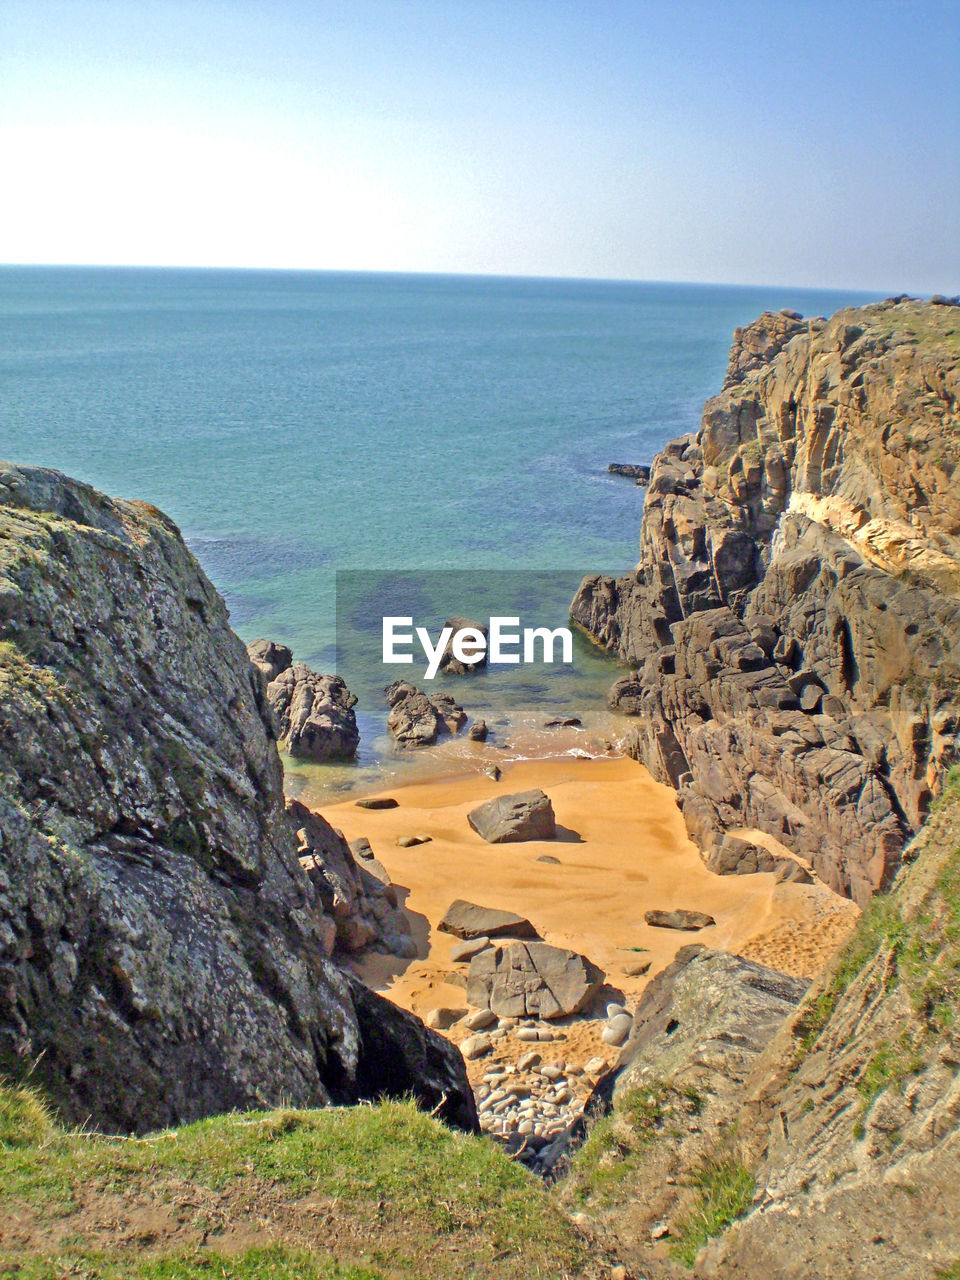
[{"x": 623, "y": 849}]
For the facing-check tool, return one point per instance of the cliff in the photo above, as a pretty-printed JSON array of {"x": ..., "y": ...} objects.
[
  {"x": 163, "y": 954},
  {"x": 793, "y": 621},
  {"x": 815, "y": 1140}
]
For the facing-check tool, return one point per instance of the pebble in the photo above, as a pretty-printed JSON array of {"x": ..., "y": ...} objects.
[
  {"x": 659, "y": 1230},
  {"x": 614, "y": 1009},
  {"x": 551, "y": 1073},
  {"x": 410, "y": 842},
  {"x": 529, "y": 1061},
  {"x": 528, "y": 1034},
  {"x": 637, "y": 969},
  {"x": 479, "y": 1019},
  {"x": 525, "y": 1127},
  {"x": 616, "y": 1030},
  {"x": 441, "y": 1019},
  {"x": 595, "y": 1067},
  {"x": 476, "y": 1046}
]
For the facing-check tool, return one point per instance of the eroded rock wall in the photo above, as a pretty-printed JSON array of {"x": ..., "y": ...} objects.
[
  {"x": 163, "y": 955},
  {"x": 793, "y": 621}
]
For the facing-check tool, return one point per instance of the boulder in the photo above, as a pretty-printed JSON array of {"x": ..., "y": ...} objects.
[
  {"x": 679, "y": 919},
  {"x": 528, "y": 815},
  {"x": 269, "y": 658},
  {"x": 478, "y": 731},
  {"x": 532, "y": 979},
  {"x": 452, "y": 665},
  {"x": 315, "y": 716},
  {"x": 416, "y": 720},
  {"x": 467, "y": 920}
]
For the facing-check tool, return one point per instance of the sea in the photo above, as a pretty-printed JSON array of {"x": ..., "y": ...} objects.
[{"x": 322, "y": 436}]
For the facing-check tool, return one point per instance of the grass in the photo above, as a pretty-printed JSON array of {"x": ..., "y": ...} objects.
[
  {"x": 395, "y": 1178},
  {"x": 271, "y": 1263},
  {"x": 610, "y": 1159},
  {"x": 724, "y": 1188}
]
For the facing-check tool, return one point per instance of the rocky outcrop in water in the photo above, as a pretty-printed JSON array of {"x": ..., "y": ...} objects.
[
  {"x": 315, "y": 716},
  {"x": 416, "y": 719},
  {"x": 793, "y": 622},
  {"x": 163, "y": 955}
]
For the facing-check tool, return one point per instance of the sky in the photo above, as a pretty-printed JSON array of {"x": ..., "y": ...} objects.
[{"x": 809, "y": 142}]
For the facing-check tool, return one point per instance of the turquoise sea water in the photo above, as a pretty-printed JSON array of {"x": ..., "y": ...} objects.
[{"x": 294, "y": 424}]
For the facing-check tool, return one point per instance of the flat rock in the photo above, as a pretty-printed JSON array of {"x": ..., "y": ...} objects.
[
  {"x": 377, "y": 802},
  {"x": 467, "y": 920},
  {"x": 679, "y": 919},
  {"x": 637, "y": 968},
  {"x": 527, "y": 815},
  {"x": 549, "y": 858},
  {"x": 532, "y": 979},
  {"x": 411, "y": 842}
]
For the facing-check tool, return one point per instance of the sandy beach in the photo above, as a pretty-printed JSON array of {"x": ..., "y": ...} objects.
[{"x": 622, "y": 849}]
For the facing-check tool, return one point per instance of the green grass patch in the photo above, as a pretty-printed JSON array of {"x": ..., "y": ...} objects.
[
  {"x": 271, "y": 1263},
  {"x": 397, "y": 1174},
  {"x": 616, "y": 1145},
  {"x": 724, "y": 1188}
]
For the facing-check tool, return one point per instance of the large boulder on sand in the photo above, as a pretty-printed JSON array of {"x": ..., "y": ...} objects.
[
  {"x": 532, "y": 980},
  {"x": 528, "y": 815},
  {"x": 466, "y": 920}
]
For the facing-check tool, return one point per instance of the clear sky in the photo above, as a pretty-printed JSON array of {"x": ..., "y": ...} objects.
[{"x": 805, "y": 142}]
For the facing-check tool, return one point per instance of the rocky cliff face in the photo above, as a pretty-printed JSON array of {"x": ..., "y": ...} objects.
[
  {"x": 163, "y": 955},
  {"x": 793, "y": 621}
]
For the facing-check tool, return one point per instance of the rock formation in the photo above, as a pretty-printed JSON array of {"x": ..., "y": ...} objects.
[
  {"x": 315, "y": 716},
  {"x": 450, "y": 663},
  {"x": 356, "y": 893},
  {"x": 416, "y": 720},
  {"x": 836, "y": 1108},
  {"x": 793, "y": 623},
  {"x": 163, "y": 955}
]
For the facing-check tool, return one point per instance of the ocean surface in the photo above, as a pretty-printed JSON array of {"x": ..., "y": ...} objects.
[{"x": 296, "y": 423}]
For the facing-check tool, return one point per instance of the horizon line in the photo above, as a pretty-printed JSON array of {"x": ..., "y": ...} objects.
[{"x": 465, "y": 275}]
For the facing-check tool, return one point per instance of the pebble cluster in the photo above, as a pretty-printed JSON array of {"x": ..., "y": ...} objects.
[{"x": 533, "y": 1105}]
